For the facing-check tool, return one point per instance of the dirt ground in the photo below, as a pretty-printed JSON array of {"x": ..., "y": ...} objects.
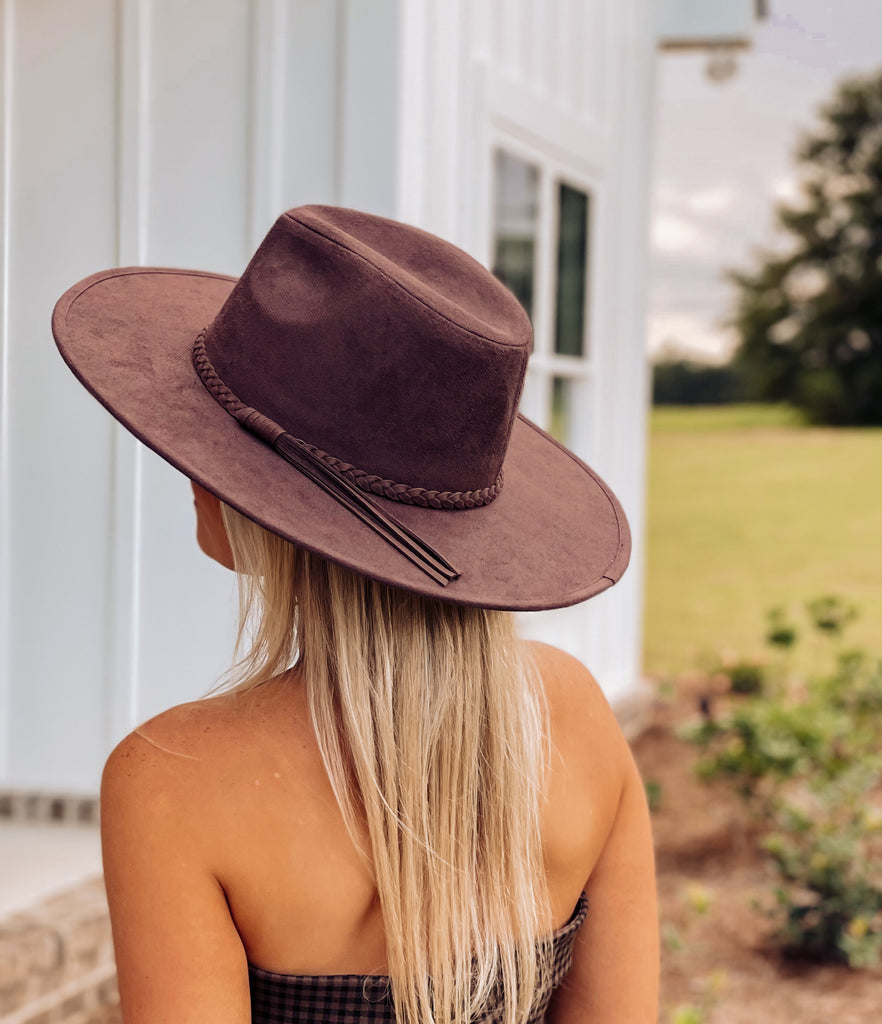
[{"x": 716, "y": 953}]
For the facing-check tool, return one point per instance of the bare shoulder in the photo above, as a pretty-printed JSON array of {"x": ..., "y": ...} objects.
[
  {"x": 173, "y": 783},
  {"x": 206, "y": 760},
  {"x": 590, "y": 766},
  {"x": 171, "y": 760},
  {"x": 161, "y": 833},
  {"x": 598, "y": 836},
  {"x": 580, "y": 713},
  {"x": 565, "y": 674},
  {"x": 181, "y": 733}
]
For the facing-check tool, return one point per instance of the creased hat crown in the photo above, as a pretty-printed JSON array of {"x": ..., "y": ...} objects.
[{"x": 379, "y": 344}]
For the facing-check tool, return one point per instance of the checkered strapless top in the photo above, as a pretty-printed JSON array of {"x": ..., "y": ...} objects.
[{"x": 365, "y": 998}]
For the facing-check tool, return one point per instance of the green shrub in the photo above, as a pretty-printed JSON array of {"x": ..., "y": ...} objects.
[
  {"x": 831, "y": 614},
  {"x": 746, "y": 677},
  {"x": 769, "y": 740},
  {"x": 781, "y": 632},
  {"x": 804, "y": 755},
  {"x": 827, "y": 853}
]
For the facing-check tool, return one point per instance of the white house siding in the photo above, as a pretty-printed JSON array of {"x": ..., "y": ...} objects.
[
  {"x": 160, "y": 132},
  {"x": 567, "y": 83}
]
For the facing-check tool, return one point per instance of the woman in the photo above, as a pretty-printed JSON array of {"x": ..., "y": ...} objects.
[{"x": 398, "y": 811}]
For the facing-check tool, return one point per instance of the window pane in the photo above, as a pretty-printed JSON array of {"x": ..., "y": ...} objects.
[
  {"x": 562, "y": 393},
  {"x": 516, "y": 220},
  {"x": 572, "y": 271},
  {"x": 532, "y": 403}
]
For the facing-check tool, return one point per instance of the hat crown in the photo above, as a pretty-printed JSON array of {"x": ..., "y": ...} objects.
[{"x": 377, "y": 343}]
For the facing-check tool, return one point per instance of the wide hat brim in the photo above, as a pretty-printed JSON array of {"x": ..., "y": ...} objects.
[{"x": 555, "y": 535}]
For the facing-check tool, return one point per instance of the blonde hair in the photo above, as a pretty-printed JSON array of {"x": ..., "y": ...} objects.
[{"x": 431, "y": 726}]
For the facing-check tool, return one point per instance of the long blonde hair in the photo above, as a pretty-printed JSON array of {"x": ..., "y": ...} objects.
[{"x": 431, "y": 726}]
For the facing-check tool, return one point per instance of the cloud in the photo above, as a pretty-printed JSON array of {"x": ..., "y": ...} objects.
[
  {"x": 690, "y": 221},
  {"x": 786, "y": 189},
  {"x": 676, "y": 234},
  {"x": 689, "y": 282},
  {"x": 712, "y": 200},
  {"x": 688, "y": 334}
]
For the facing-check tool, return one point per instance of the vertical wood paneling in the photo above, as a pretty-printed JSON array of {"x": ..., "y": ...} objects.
[
  {"x": 368, "y": 49},
  {"x": 592, "y": 86},
  {"x": 546, "y": 274},
  {"x": 555, "y": 48},
  {"x": 161, "y": 132},
  {"x": 6, "y": 23},
  {"x": 475, "y": 199},
  {"x": 445, "y": 113},
  {"x": 133, "y": 129},
  {"x": 186, "y": 621},
  {"x": 626, "y": 382},
  {"x": 502, "y": 39},
  {"x": 413, "y": 59},
  {"x": 574, "y": 52},
  {"x": 560, "y": 44},
  {"x": 123, "y": 611},
  {"x": 200, "y": 215},
  {"x": 132, "y": 197},
  {"x": 268, "y": 36},
  {"x": 541, "y": 57},
  {"x": 61, "y": 226},
  {"x": 310, "y": 134},
  {"x": 517, "y": 15},
  {"x": 480, "y": 30},
  {"x": 199, "y": 158}
]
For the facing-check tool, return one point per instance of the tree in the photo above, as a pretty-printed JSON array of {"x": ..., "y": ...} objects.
[
  {"x": 810, "y": 318},
  {"x": 678, "y": 381}
]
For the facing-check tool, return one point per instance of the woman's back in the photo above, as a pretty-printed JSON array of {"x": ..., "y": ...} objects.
[{"x": 236, "y": 783}]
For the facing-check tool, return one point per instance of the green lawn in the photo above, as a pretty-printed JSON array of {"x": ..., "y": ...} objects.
[{"x": 748, "y": 509}]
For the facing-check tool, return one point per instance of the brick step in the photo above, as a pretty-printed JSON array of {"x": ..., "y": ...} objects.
[{"x": 56, "y": 960}]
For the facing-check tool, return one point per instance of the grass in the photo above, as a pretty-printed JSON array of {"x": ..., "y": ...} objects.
[
  {"x": 748, "y": 509},
  {"x": 684, "y": 419}
]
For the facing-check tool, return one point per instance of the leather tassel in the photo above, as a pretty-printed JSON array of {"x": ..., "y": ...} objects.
[{"x": 394, "y": 532}]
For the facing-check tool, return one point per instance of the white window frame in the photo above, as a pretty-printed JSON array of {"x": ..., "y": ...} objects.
[{"x": 545, "y": 364}]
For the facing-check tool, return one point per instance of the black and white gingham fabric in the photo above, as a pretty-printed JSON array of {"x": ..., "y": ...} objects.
[{"x": 366, "y": 999}]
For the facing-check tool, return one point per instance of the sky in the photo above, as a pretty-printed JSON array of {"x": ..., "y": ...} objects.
[{"x": 723, "y": 157}]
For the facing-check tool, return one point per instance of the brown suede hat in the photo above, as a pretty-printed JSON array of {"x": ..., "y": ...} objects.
[{"x": 355, "y": 392}]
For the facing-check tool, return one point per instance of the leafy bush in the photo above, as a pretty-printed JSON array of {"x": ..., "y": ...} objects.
[
  {"x": 781, "y": 631},
  {"x": 804, "y": 755},
  {"x": 827, "y": 853},
  {"x": 831, "y": 614},
  {"x": 746, "y": 677}
]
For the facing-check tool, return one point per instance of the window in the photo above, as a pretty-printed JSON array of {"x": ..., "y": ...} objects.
[
  {"x": 572, "y": 271},
  {"x": 517, "y": 212},
  {"x": 541, "y": 246}
]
